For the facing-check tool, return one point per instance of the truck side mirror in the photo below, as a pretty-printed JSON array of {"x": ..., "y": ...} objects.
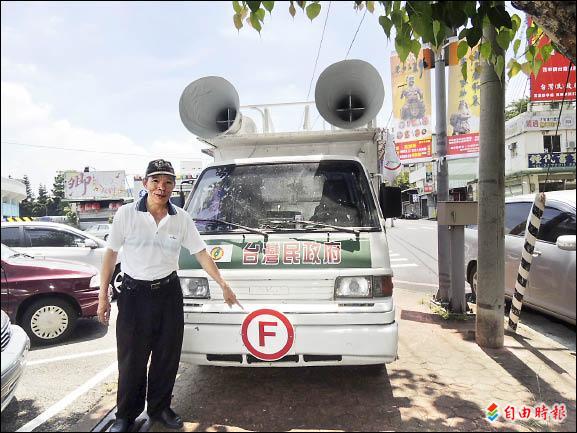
[{"x": 390, "y": 201}]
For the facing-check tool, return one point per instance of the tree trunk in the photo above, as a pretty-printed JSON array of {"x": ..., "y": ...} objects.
[
  {"x": 490, "y": 330},
  {"x": 557, "y": 19}
]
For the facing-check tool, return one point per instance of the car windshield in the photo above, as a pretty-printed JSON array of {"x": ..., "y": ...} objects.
[{"x": 284, "y": 196}]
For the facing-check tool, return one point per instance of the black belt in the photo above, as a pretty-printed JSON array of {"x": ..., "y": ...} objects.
[{"x": 132, "y": 283}]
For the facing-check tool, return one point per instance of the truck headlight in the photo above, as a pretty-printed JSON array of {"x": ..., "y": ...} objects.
[
  {"x": 196, "y": 288},
  {"x": 353, "y": 287}
]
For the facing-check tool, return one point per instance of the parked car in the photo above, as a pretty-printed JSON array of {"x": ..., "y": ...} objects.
[
  {"x": 58, "y": 241},
  {"x": 100, "y": 231},
  {"x": 411, "y": 216},
  {"x": 15, "y": 345},
  {"x": 551, "y": 286},
  {"x": 46, "y": 297}
]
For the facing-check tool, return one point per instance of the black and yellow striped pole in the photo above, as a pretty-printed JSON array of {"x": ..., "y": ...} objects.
[
  {"x": 18, "y": 219},
  {"x": 531, "y": 232}
]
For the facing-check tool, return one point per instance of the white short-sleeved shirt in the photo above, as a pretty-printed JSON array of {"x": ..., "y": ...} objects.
[{"x": 149, "y": 251}]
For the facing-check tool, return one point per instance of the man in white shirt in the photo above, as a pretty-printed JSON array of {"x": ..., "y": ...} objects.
[{"x": 150, "y": 321}]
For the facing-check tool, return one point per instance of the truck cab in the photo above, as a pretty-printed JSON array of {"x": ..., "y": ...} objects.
[{"x": 295, "y": 221}]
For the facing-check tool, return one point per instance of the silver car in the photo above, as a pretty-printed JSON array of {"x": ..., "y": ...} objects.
[
  {"x": 15, "y": 345},
  {"x": 58, "y": 241},
  {"x": 100, "y": 231},
  {"x": 551, "y": 286}
]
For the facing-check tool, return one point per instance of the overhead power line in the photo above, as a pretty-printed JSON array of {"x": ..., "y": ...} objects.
[
  {"x": 15, "y": 143},
  {"x": 355, "y": 36},
  {"x": 318, "y": 52}
]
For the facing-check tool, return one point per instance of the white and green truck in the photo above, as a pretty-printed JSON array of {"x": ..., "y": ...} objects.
[{"x": 296, "y": 224}]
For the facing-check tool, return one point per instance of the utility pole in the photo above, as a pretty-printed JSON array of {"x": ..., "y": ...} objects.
[
  {"x": 491, "y": 254},
  {"x": 443, "y": 240}
]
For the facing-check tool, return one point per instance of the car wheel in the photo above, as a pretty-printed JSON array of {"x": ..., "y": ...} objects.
[
  {"x": 116, "y": 281},
  {"x": 105, "y": 237},
  {"x": 49, "y": 321}
]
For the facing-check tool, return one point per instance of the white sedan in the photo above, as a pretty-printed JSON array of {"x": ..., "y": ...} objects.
[{"x": 99, "y": 230}]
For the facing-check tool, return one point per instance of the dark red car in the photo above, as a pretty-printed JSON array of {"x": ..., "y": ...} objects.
[{"x": 46, "y": 297}]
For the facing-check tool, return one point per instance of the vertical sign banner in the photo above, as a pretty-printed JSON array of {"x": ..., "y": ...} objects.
[
  {"x": 464, "y": 104},
  {"x": 549, "y": 84},
  {"x": 412, "y": 130}
]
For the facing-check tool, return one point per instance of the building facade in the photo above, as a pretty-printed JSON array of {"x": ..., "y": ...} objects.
[{"x": 13, "y": 192}]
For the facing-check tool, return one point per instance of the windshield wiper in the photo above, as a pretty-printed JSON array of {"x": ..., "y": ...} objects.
[
  {"x": 330, "y": 226},
  {"x": 248, "y": 229},
  {"x": 22, "y": 254}
]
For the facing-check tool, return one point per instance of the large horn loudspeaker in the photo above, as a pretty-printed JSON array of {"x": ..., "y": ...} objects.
[
  {"x": 349, "y": 94},
  {"x": 210, "y": 107}
]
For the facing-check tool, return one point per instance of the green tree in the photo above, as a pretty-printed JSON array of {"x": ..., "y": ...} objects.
[
  {"x": 516, "y": 107},
  {"x": 71, "y": 216},
  {"x": 402, "y": 181},
  {"x": 41, "y": 204},
  {"x": 417, "y": 23},
  {"x": 56, "y": 202},
  {"x": 27, "y": 205}
]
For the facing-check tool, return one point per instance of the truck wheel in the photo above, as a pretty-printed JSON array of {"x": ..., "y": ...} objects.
[{"x": 49, "y": 321}]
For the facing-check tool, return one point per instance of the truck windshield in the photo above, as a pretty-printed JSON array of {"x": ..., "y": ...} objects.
[{"x": 284, "y": 196}]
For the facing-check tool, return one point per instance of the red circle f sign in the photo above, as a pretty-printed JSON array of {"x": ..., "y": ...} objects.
[{"x": 267, "y": 334}]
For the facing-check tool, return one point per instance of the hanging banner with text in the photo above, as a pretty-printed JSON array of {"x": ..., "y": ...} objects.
[
  {"x": 549, "y": 84},
  {"x": 411, "y": 90},
  {"x": 463, "y": 105}
]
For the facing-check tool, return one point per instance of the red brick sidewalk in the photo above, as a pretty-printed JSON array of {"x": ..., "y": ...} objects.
[{"x": 449, "y": 381}]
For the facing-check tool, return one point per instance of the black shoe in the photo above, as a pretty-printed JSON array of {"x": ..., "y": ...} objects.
[
  {"x": 121, "y": 425},
  {"x": 169, "y": 419}
]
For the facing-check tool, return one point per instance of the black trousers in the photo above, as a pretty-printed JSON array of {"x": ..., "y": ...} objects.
[{"x": 150, "y": 324}]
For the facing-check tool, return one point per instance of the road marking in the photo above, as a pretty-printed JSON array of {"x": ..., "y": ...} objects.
[
  {"x": 66, "y": 401},
  {"x": 399, "y": 260},
  {"x": 394, "y": 255},
  {"x": 404, "y": 265},
  {"x": 66, "y": 358},
  {"x": 415, "y": 283}
]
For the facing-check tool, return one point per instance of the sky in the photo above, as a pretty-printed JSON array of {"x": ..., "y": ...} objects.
[{"x": 97, "y": 84}]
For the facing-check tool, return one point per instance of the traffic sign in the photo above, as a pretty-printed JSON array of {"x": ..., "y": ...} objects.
[{"x": 267, "y": 334}]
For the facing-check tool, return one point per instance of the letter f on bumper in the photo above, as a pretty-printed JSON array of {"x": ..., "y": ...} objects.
[{"x": 262, "y": 333}]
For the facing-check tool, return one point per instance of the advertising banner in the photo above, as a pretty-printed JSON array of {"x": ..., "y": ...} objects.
[
  {"x": 95, "y": 185},
  {"x": 411, "y": 90},
  {"x": 463, "y": 104},
  {"x": 549, "y": 84}
]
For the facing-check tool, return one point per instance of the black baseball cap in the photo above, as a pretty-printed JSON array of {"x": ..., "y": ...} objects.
[{"x": 159, "y": 166}]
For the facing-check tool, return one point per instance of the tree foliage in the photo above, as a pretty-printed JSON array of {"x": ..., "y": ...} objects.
[
  {"x": 41, "y": 203},
  {"x": 516, "y": 107},
  {"x": 56, "y": 203},
  {"x": 402, "y": 180},
  {"x": 44, "y": 204},
  {"x": 423, "y": 23},
  {"x": 27, "y": 205}
]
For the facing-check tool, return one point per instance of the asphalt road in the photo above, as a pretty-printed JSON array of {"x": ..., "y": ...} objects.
[{"x": 64, "y": 384}]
